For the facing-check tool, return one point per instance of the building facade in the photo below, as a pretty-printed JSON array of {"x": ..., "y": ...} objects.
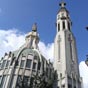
[
  {"x": 28, "y": 68},
  {"x": 65, "y": 53}
]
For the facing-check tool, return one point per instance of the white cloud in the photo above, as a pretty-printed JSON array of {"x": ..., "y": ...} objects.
[
  {"x": 84, "y": 73},
  {"x": 12, "y": 39},
  {"x": 47, "y": 50}
]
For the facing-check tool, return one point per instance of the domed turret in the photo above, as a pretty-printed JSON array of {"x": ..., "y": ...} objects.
[{"x": 32, "y": 38}]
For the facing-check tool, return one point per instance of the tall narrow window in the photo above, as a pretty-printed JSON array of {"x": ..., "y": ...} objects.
[
  {"x": 3, "y": 81},
  {"x": 25, "y": 82},
  {"x": 3, "y": 64},
  {"x": 0, "y": 79},
  {"x": 7, "y": 64},
  {"x": 22, "y": 63},
  {"x": 34, "y": 65},
  {"x": 68, "y": 25},
  {"x": 58, "y": 27},
  {"x": 19, "y": 81},
  {"x": 63, "y": 23},
  {"x": 39, "y": 65},
  {"x": 28, "y": 63}
]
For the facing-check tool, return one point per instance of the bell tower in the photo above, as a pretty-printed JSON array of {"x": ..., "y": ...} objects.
[{"x": 65, "y": 53}]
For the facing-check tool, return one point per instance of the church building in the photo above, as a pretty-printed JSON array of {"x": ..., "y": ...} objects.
[
  {"x": 65, "y": 53},
  {"x": 26, "y": 67}
]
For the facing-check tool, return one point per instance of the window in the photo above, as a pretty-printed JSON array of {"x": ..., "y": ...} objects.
[
  {"x": 3, "y": 81},
  {"x": 22, "y": 82},
  {"x": 22, "y": 63},
  {"x": 74, "y": 86},
  {"x": 26, "y": 81},
  {"x": 34, "y": 65},
  {"x": 31, "y": 82},
  {"x": 28, "y": 63},
  {"x": 7, "y": 64},
  {"x": 58, "y": 27},
  {"x": 68, "y": 25},
  {"x": 35, "y": 57},
  {"x": 3, "y": 64},
  {"x": 0, "y": 79},
  {"x": 63, "y": 23},
  {"x": 39, "y": 65},
  {"x": 69, "y": 86},
  {"x": 47, "y": 72},
  {"x": 63, "y": 86},
  {"x": 19, "y": 81}
]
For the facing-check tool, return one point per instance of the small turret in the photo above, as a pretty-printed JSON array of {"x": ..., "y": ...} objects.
[
  {"x": 32, "y": 38},
  {"x": 34, "y": 27}
]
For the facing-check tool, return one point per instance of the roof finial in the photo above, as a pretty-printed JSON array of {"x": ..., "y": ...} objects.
[
  {"x": 34, "y": 27},
  {"x": 62, "y": 4}
]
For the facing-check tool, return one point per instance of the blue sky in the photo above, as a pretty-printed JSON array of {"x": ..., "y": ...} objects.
[{"x": 21, "y": 14}]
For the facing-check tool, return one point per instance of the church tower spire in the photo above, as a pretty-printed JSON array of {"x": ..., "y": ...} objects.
[
  {"x": 65, "y": 53},
  {"x": 63, "y": 18}
]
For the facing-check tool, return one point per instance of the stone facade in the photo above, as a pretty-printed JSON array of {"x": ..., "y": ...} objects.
[
  {"x": 65, "y": 53},
  {"x": 28, "y": 68}
]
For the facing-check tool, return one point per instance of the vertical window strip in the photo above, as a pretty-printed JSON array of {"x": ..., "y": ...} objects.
[
  {"x": 58, "y": 27},
  {"x": 34, "y": 65},
  {"x": 68, "y": 25},
  {"x": 22, "y": 63},
  {"x": 63, "y": 24},
  {"x": 7, "y": 64},
  {"x": 3, "y": 64},
  {"x": 3, "y": 81},
  {"x": 59, "y": 47},
  {"x": 70, "y": 42}
]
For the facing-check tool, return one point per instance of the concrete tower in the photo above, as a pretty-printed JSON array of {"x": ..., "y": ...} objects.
[{"x": 65, "y": 54}]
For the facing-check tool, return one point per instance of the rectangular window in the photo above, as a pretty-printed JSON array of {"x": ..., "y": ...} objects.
[
  {"x": 3, "y": 64},
  {"x": 68, "y": 25},
  {"x": 7, "y": 64},
  {"x": 58, "y": 27},
  {"x": 19, "y": 81},
  {"x": 3, "y": 81},
  {"x": 63, "y": 25},
  {"x": 34, "y": 65},
  {"x": 25, "y": 81},
  {"x": 22, "y": 63},
  {"x": 69, "y": 86},
  {"x": 35, "y": 57},
  {"x": 28, "y": 63},
  {"x": 0, "y": 79},
  {"x": 39, "y": 65}
]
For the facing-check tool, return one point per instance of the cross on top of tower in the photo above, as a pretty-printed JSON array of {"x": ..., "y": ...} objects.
[{"x": 62, "y": 4}]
